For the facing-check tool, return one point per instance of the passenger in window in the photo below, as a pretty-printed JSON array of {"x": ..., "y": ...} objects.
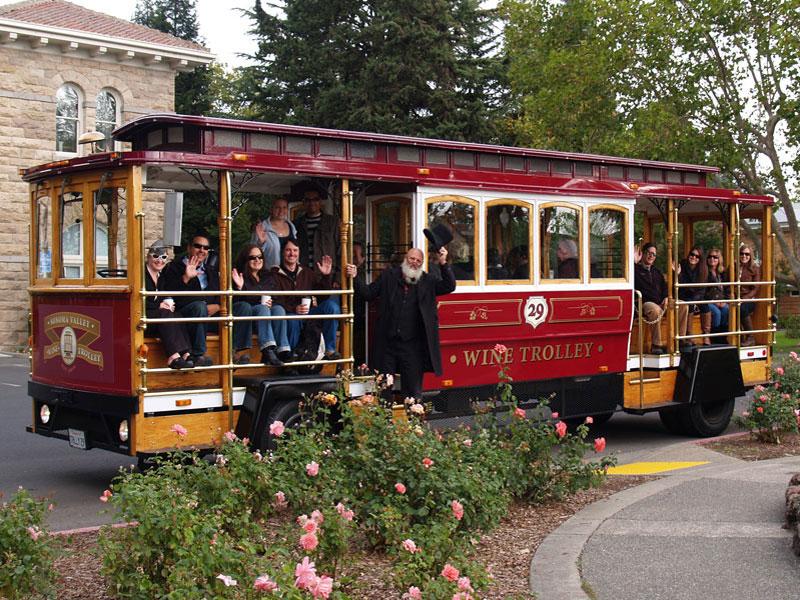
[
  {"x": 718, "y": 311},
  {"x": 407, "y": 335},
  {"x": 494, "y": 265},
  {"x": 173, "y": 335},
  {"x": 653, "y": 287},
  {"x": 567, "y": 256},
  {"x": 748, "y": 271},
  {"x": 192, "y": 272},
  {"x": 691, "y": 269},
  {"x": 270, "y": 233},
  {"x": 291, "y": 275},
  {"x": 518, "y": 260},
  {"x": 252, "y": 275},
  {"x": 317, "y": 233}
]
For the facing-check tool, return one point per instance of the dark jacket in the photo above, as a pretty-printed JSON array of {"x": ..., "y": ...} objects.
[
  {"x": 306, "y": 279},
  {"x": 152, "y": 302},
  {"x": 389, "y": 288},
  {"x": 265, "y": 284},
  {"x": 326, "y": 239},
  {"x": 689, "y": 275},
  {"x": 172, "y": 279},
  {"x": 715, "y": 292},
  {"x": 650, "y": 283}
]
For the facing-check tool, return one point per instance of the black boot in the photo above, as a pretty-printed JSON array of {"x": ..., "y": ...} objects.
[{"x": 268, "y": 357}]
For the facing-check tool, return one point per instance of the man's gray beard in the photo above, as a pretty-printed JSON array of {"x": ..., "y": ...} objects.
[{"x": 410, "y": 274}]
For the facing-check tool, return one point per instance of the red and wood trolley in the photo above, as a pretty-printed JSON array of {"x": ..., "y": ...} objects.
[{"x": 543, "y": 252}]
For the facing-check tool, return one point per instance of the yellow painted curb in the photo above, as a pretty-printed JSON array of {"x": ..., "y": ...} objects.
[{"x": 651, "y": 468}]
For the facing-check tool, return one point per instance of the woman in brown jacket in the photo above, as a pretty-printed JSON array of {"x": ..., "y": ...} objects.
[{"x": 748, "y": 271}]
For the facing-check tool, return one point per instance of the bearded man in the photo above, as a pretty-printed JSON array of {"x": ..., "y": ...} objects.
[{"x": 407, "y": 335}]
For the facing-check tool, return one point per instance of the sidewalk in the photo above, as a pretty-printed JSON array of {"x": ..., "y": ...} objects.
[{"x": 707, "y": 532}]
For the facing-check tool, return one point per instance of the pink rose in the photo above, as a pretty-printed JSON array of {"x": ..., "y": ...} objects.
[
  {"x": 309, "y": 541},
  {"x": 179, "y": 429},
  {"x": 779, "y": 370},
  {"x": 317, "y": 517},
  {"x": 458, "y": 509},
  {"x": 34, "y": 532},
  {"x": 554, "y": 415},
  {"x": 599, "y": 444},
  {"x": 106, "y": 495},
  {"x": 561, "y": 429},
  {"x": 450, "y": 572},
  {"x": 322, "y": 587},
  {"x": 277, "y": 428},
  {"x": 500, "y": 348},
  {"x": 468, "y": 443},
  {"x": 280, "y": 500},
  {"x": 400, "y": 488},
  {"x": 519, "y": 413},
  {"x": 410, "y": 546},
  {"x": 310, "y": 526},
  {"x": 304, "y": 573},
  {"x": 464, "y": 584},
  {"x": 312, "y": 469},
  {"x": 760, "y": 409},
  {"x": 264, "y": 584},
  {"x": 589, "y": 420},
  {"x": 413, "y": 593},
  {"x": 427, "y": 462},
  {"x": 230, "y": 436}
]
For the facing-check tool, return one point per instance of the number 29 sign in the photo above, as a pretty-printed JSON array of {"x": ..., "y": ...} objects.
[{"x": 535, "y": 311}]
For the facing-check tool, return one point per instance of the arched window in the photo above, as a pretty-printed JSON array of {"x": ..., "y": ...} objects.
[
  {"x": 458, "y": 214},
  {"x": 67, "y": 118},
  {"x": 560, "y": 242},
  {"x": 508, "y": 235},
  {"x": 607, "y": 243},
  {"x": 106, "y": 118}
]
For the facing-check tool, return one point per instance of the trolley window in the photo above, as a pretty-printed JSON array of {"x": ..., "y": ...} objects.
[
  {"x": 110, "y": 235},
  {"x": 44, "y": 237},
  {"x": 457, "y": 214},
  {"x": 560, "y": 242},
  {"x": 607, "y": 243},
  {"x": 508, "y": 235},
  {"x": 71, "y": 225}
]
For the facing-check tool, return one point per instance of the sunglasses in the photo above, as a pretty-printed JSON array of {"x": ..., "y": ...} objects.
[
  {"x": 159, "y": 256},
  {"x": 255, "y": 258},
  {"x": 694, "y": 255},
  {"x": 713, "y": 257},
  {"x": 201, "y": 246},
  {"x": 744, "y": 254}
]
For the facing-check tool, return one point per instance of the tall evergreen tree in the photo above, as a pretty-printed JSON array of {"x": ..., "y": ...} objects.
[
  {"x": 193, "y": 90},
  {"x": 416, "y": 67}
]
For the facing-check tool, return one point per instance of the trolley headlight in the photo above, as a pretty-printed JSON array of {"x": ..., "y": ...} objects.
[
  {"x": 44, "y": 414},
  {"x": 123, "y": 431}
]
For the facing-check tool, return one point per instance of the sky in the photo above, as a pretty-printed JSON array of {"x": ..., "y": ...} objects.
[{"x": 222, "y": 27}]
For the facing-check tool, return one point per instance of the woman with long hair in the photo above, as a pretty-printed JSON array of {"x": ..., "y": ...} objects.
[
  {"x": 718, "y": 311},
  {"x": 748, "y": 271},
  {"x": 270, "y": 233},
  {"x": 691, "y": 269},
  {"x": 252, "y": 275}
]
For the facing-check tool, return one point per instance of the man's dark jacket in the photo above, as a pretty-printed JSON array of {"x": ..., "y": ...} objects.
[
  {"x": 172, "y": 279},
  {"x": 650, "y": 282},
  {"x": 389, "y": 287}
]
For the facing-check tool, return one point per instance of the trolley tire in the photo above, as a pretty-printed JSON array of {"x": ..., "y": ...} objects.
[
  {"x": 708, "y": 420},
  {"x": 672, "y": 420},
  {"x": 287, "y": 412}
]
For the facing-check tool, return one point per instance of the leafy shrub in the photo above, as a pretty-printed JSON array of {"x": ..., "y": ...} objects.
[
  {"x": 791, "y": 323},
  {"x": 26, "y": 549},
  {"x": 773, "y": 410}
]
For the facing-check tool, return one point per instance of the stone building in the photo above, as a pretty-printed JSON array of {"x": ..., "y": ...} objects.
[{"x": 65, "y": 70}]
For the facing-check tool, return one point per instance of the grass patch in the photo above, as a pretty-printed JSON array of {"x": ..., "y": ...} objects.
[{"x": 785, "y": 344}]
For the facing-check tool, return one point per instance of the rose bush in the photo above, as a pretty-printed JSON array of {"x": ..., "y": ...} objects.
[
  {"x": 773, "y": 410},
  {"x": 353, "y": 473}
]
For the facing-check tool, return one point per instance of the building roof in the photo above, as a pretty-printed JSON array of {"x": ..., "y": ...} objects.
[{"x": 65, "y": 15}]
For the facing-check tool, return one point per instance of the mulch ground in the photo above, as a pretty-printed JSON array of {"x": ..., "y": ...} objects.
[
  {"x": 506, "y": 551},
  {"x": 746, "y": 447}
]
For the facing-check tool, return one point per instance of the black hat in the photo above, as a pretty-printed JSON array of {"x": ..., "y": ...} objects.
[{"x": 439, "y": 235}]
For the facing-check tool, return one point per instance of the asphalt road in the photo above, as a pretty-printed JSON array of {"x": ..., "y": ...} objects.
[{"x": 74, "y": 479}]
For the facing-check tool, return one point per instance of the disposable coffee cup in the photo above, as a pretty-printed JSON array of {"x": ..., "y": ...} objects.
[
  {"x": 306, "y": 302},
  {"x": 265, "y": 299},
  {"x": 169, "y": 302}
]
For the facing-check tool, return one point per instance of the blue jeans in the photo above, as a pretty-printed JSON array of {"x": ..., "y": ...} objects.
[
  {"x": 270, "y": 333},
  {"x": 329, "y": 326},
  {"x": 196, "y": 331},
  {"x": 719, "y": 317},
  {"x": 747, "y": 309}
]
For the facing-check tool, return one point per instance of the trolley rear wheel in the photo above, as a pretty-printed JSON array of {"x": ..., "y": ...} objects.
[
  {"x": 708, "y": 420},
  {"x": 286, "y": 412}
]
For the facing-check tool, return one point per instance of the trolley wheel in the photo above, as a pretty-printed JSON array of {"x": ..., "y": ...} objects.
[
  {"x": 672, "y": 419},
  {"x": 708, "y": 420},
  {"x": 289, "y": 414}
]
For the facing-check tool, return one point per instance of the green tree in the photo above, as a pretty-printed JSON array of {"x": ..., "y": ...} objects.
[
  {"x": 193, "y": 90},
  {"x": 417, "y": 67},
  {"x": 712, "y": 81}
]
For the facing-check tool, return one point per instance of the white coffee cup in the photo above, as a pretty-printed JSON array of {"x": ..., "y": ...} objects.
[
  {"x": 306, "y": 302},
  {"x": 169, "y": 302},
  {"x": 265, "y": 299}
]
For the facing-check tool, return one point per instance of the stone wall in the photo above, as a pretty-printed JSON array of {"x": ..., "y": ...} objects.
[{"x": 29, "y": 80}]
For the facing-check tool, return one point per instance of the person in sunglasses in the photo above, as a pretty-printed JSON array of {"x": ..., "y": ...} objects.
[
  {"x": 651, "y": 283},
  {"x": 748, "y": 271},
  {"x": 691, "y": 269},
  {"x": 191, "y": 272},
  {"x": 173, "y": 335},
  {"x": 718, "y": 310},
  {"x": 253, "y": 275}
]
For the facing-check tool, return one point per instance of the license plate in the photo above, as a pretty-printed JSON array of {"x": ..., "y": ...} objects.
[{"x": 77, "y": 439}]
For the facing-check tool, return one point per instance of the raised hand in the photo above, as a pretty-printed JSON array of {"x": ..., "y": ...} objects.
[
  {"x": 325, "y": 265},
  {"x": 238, "y": 279},
  {"x": 637, "y": 254},
  {"x": 261, "y": 232},
  {"x": 191, "y": 267},
  {"x": 442, "y": 255}
]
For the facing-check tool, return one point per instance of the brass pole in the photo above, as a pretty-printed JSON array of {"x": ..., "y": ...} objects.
[
  {"x": 672, "y": 249},
  {"x": 346, "y": 240},
  {"x": 768, "y": 270},
  {"x": 225, "y": 304},
  {"x": 735, "y": 315}
]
